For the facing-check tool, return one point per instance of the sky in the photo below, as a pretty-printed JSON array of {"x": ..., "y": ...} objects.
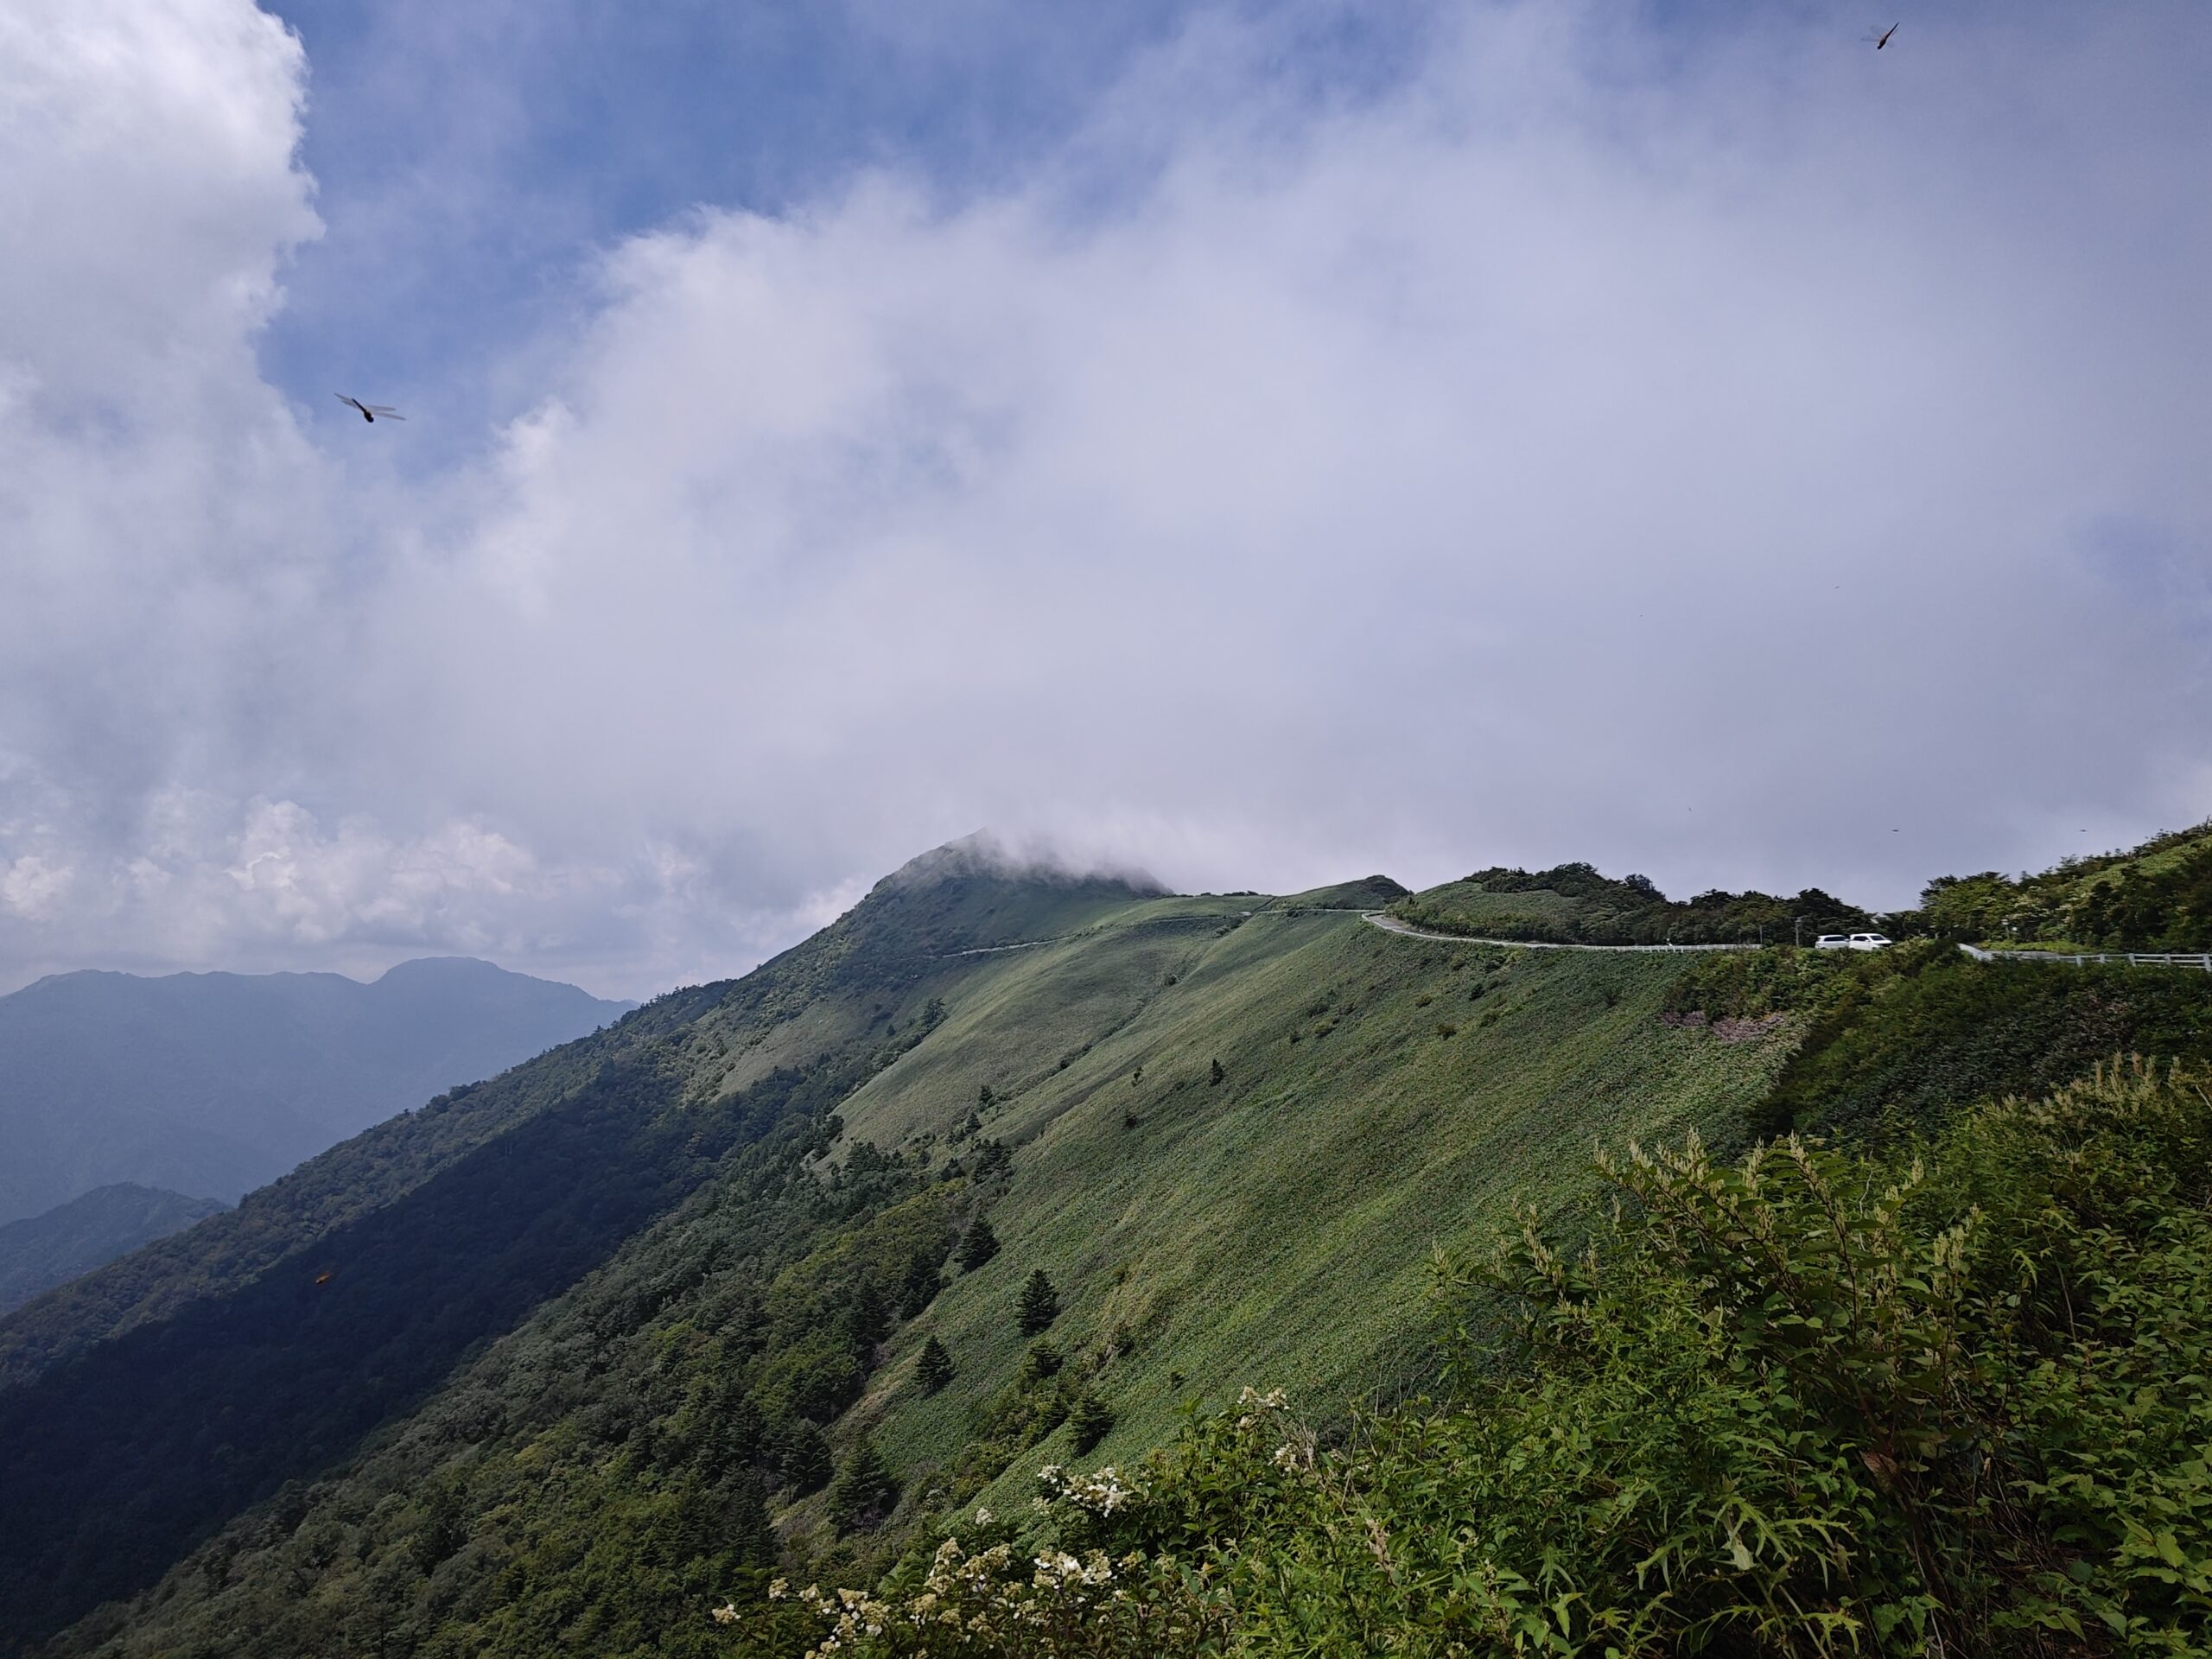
[{"x": 1262, "y": 443}]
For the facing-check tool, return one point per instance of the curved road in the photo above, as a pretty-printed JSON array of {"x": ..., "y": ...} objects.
[{"x": 1392, "y": 925}]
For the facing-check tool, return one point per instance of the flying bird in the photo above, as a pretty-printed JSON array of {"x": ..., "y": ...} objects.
[
  {"x": 370, "y": 411},
  {"x": 1880, "y": 36}
]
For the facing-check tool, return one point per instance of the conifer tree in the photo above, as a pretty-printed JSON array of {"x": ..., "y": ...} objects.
[
  {"x": 864, "y": 1491},
  {"x": 979, "y": 1246},
  {"x": 934, "y": 1368},
  {"x": 803, "y": 1456},
  {"x": 1040, "y": 1305},
  {"x": 1091, "y": 1421},
  {"x": 1218, "y": 1074}
]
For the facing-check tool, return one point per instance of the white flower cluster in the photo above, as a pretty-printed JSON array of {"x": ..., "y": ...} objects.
[
  {"x": 1053, "y": 1605},
  {"x": 1100, "y": 1493}
]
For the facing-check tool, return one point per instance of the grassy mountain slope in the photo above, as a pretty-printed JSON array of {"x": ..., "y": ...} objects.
[
  {"x": 1377, "y": 1096},
  {"x": 70, "y": 1240},
  {"x": 155, "y": 1399},
  {"x": 609, "y": 1337},
  {"x": 1377, "y": 1093},
  {"x": 217, "y": 1083}
]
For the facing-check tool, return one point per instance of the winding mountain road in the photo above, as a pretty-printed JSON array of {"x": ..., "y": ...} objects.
[{"x": 1392, "y": 925}]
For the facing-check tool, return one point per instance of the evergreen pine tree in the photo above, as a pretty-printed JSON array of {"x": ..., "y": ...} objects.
[
  {"x": 804, "y": 1457},
  {"x": 934, "y": 1368},
  {"x": 921, "y": 1285},
  {"x": 1218, "y": 1074},
  {"x": 1040, "y": 1305},
  {"x": 979, "y": 1246},
  {"x": 1090, "y": 1422},
  {"x": 864, "y": 1491}
]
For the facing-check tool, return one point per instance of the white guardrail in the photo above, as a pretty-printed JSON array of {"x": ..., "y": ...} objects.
[{"x": 2200, "y": 960}]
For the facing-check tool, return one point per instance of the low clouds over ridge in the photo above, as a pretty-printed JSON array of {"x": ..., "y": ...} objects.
[{"x": 1707, "y": 462}]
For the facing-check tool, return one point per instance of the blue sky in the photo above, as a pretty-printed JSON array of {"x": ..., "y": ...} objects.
[
  {"x": 470, "y": 159},
  {"x": 1256, "y": 442}
]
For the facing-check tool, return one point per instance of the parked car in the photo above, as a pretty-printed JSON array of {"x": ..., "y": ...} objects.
[{"x": 1851, "y": 941}]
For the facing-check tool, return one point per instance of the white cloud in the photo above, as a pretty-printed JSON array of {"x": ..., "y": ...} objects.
[{"x": 1697, "y": 466}]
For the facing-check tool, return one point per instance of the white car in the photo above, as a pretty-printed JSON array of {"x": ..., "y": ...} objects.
[{"x": 1851, "y": 941}]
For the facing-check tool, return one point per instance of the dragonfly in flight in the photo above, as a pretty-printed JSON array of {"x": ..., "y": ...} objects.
[
  {"x": 1880, "y": 36},
  {"x": 370, "y": 412}
]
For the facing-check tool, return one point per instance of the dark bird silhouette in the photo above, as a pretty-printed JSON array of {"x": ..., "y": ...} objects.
[
  {"x": 370, "y": 411},
  {"x": 1880, "y": 36}
]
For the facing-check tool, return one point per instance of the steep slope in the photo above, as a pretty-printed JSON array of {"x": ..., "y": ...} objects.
[
  {"x": 217, "y": 1083},
  {"x": 555, "y": 1366},
  {"x": 583, "y": 1484},
  {"x": 70, "y": 1240},
  {"x": 1376, "y": 1097},
  {"x": 153, "y": 1400}
]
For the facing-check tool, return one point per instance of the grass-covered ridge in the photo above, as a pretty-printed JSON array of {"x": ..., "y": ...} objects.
[
  {"x": 1375, "y": 1095},
  {"x": 1574, "y": 904},
  {"x": 1955, "y": 1399},
  {"x": 1005, "y": 1169}
]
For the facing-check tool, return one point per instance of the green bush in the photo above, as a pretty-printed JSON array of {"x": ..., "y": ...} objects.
[{"x": 1956, "y": 1400}]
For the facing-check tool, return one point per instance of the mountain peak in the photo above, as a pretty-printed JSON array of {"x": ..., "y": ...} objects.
[{"x": 984, "y": 856}]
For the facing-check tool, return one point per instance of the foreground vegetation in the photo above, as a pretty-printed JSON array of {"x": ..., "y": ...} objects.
[{"x": 1956, "y": 1399}]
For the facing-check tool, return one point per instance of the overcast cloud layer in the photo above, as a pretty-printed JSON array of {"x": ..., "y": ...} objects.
[{"x": 1730, "y": 455}]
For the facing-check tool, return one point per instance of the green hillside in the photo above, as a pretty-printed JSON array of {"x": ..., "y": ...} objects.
[
  {"x": 1573, "y": 904},
  {"x": 558, "y": 1363},
  {"x": 2155, "y": 897}
]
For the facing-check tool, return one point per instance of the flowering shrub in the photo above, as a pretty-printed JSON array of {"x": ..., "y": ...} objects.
[
  {"x": 1810, "y": 1404},
  {"x": 1001, "y": 1601}
]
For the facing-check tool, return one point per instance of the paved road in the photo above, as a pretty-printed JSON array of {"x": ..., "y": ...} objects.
[{"x": 1392, "y": 925}]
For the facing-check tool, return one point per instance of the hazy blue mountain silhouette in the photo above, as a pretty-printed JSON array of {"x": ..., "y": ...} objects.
[
  {"x": 214, "y": 1083},
  {"x": 89, "y": 1231}
]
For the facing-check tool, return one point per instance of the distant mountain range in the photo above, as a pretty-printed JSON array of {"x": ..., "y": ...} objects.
[
  {"x": 88, "y": 1232},
  {"x": 211, "y": 1084}
]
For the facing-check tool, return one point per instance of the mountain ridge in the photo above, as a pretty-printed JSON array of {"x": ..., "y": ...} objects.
[
  {"x": 215, "y": 1083},
  {"x": 548, "y": 1364}
]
